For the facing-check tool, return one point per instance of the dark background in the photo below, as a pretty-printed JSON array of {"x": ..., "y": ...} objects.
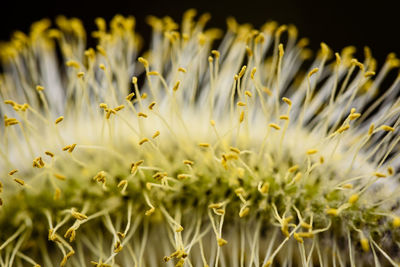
[{"x": 338, "y": 23}]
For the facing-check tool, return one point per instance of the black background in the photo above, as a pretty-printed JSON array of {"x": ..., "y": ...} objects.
[{"x": 338, "y": 23}]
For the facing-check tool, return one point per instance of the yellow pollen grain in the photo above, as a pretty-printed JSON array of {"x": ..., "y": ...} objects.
[
  {"x": 59, "y": 119},
  {"x": 287, "y": 101},
  {"x": 364, "y": 244},
  {"x": 188, "y": 162},
  {"x": 353, "y": 198},
  {"x": 19, "y": 181},
  {"x": 144, "y": 140},
  {"x": 130, "y": 96},
  {"x": 39, "y": 88},
  {"x": 253, "y": 72},
  {"x": 176, "y": 86},
  {"x": 153, "y": 73},
  {"x": 380, "y": 175},
  {"x": 284, "y": 117},
  {"x": 242, "y": 71},
  {"x": 182, "y": 69},
  {"x": 60, "y": 176},
  {"x": 157, "y": 133},
  {"x": 275, "y": 126},
  {"x": 12, "y": 172},
  {"x": 387, "y": 128},
  {"x": 48, "y": 153},
  {"x": 311, "y": 151},
  {"x": 332, "y": 211},
  {"x": 204, "y": 144},
  {"x": 221, "y": 242},
  {"x": 72, "y": 63}
]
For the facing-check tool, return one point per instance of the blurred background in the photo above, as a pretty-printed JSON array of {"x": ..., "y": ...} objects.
[{"x": 338, "y": 23}]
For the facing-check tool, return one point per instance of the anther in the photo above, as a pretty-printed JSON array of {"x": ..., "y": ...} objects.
[{"x": 59, "y": 119}]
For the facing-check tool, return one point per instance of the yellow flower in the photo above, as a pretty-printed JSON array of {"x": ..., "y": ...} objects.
[{"x": 246, "y": 155}]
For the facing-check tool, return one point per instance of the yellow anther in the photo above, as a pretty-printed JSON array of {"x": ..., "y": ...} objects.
[
  {"x": 306, "y": 225},
  {"x": 284, "y": 117},
  {"x": 120, "y": 107},
  {"x": 260, "y": 38},
  {"x": 287, "y": 101},
  {"x": 159, "y": 175},
  {"x": 293, "y": 168},
  {"x": 264, "y": 188},
  {"x": 343, "y": 128},
  {"x": 216, "y": 205},
  {"x": 303, "y": 42},
  {"x": 253, "y": 72},
  {"x": 176, "y": 86},
  {"x": 234, "y": 149},
  {"x": 12, "y": 172},
  {"x": 354, "y": 116},
  {"x": 298, "y": 238},
  {"x": 102, "y": 66},
  {"x": 390, "y": 170},
  {"x": 241, "y": 104},
  {"x": 144, "y": 140},
  {"x": 297, "y": 177},
  {"x": 210, "y": 59},
  {"x": 153, "y": 73},
  {"x": 157, "y": 133},
  {"x": 71, "y": 148},
  {"x": 268, "y": 263},
  {"x": 369, "y": 74},
  {"x": 221, "y": 241},
  {"x": 100, "y": 177},
  {"x": 396, "y": 222},
  {"x": 118, "y": 247},
  {"x": 321, "y": 160},
  {"x": 357, "y": 63},
  {"x": 48, "y": 153},
  {"x": 353, "y": 198},
  {"x": 311, "y": 151},
  {"x": 38, "y": 163},
  {"x": 134, "y": 80},
  {"x": 212, "y": 122},
  {"x": 72, "y": 63},
  {"x": 60, "y": 176},
  {"x": 122, "y": 183},
  {"x": 204, "y": 144},
  {"x": 371, "y": 129},
  {"x": 241, "y": 117},
  {"x": 306, "y": 234},
  {"x": 280, "y": 30},
  {"x": 59, "y": 119},
  {"x": 248, "y": 93},
  {"x": 183, "y": 176},
  {"x": 101, "y": 50},
  {"x": 242, "y": 71},
  {"x": 332, "y": 211},
  {"x": 275, "y": 126},
  {"x": 364, "y": 244},
  {"x": 188, "y": 162},
  {"x": 244, "y": 212},
  {"x": 281, "y": 51},
  {"x": 80, "y": 74},
  {"x": 182, "y": 69},
  {"x": 71, "y": 234},
  {"x": 236, "y": 77},
  {"x": 19, "y": 181},
  {"x": 348, "y": 186},
  {"x": 215, "y": 53},
  {"x": 39, "y": 88},
  {"x": 312, "y": 72},
  {"x": 143, "y": 61},
  {"x": 103, "y": 106},
  {"x": 141, "y": 114},
  {"x": 10, "y": 102},
  {"x": 379, "y": 175},
  {"x": 179, "y": 229},
  {"x": 78, "y": 215},
  {"x": 338, "y": 59},
  {"x": 130, "y": 96},
  {"x": 144, "y": 96},
  {"x": 387, "y": 128}
]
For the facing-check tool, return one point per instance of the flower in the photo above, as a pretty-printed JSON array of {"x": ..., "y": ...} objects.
[{"x": 245, "y": 155}]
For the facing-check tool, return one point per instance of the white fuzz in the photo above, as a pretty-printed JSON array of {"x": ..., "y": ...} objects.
[{"x": 247, "y": 155}]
